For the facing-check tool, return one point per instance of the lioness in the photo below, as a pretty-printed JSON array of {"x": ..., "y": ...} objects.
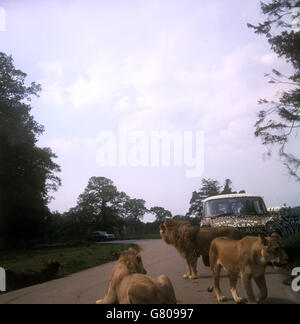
[
  {"x": 248, "y": 259},
  {"x": 192, "y": 241},
  {"x": 130, "y": 285}
]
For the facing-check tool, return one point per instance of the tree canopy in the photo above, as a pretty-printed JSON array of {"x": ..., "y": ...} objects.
[
  {"x": 135, "y": 208},
  {"x": 27, "y": 172},
  {"x": 209, "y": 188},
  {"x": 280, "y": 121},
  {"x": 102, "y": 204},
  {"x": 160, "y": 213}
]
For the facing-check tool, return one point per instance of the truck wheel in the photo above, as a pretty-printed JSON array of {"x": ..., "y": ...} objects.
[{"x": 205, "y": 259}]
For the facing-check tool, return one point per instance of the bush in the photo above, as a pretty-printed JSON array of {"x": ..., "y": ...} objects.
[{"x": 291, "y": 245}]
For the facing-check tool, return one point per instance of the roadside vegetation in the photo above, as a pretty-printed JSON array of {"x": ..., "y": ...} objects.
[
  {"x": 292, "y": 248},
  {"x": 72, "y": 257},
  {"x": 291, "y": 245}
]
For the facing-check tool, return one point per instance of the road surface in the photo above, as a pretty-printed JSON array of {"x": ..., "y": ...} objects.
[{"x": 90, "y": 285}]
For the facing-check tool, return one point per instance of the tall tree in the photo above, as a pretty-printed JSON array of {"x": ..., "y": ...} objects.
[
  {"x": 135, "y": 209},
  {"x": 101, "y": 205},
  {"x": 27, "y": 172},
  {"x": 209, "y": 188},
  {"x": 227, "y": 187},
  {"x": 160, "y": 214},
  {"x": 280, "y": 121}
]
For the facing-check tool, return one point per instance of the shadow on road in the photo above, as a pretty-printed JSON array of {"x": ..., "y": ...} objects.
[{"x": 279, "y": 301}]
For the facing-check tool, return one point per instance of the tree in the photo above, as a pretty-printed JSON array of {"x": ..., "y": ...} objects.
[
  {"x": 280, "y": 121},
  {"x": 227, "y": 187},
  {"x": 160, "y": 213},
  {"x": 101, "y": 205},
  {"x": 134, "y": 212},
  {"x": 135, "y": 209},
  {"x": 27, "y": 172},
  {"x": 55, "y": 228},
  {"x": 209, "y": 188}
]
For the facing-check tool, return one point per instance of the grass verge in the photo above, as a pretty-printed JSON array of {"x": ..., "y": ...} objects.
[
  {"x": 71, "y": 259},
  {"x": 141, "y": 237}
]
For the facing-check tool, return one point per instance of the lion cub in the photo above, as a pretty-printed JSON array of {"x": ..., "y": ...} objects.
[
  {"x": 130, "y": 285},
  {"x": 248, "y": 259}
]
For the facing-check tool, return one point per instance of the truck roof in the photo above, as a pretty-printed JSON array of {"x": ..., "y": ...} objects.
[{"x": 233, "y": 196}]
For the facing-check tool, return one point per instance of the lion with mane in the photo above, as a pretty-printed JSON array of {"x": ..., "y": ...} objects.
[
  {"x": 192, "y": 241},
  {"x": 129, "y": 284}
]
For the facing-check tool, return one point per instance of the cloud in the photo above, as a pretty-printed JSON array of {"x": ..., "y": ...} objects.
[
  {"x": 52, "y": 82},
  {"x": 157, "y": 65},
  {"x": 150, "y": 90},
  {"x": 64, "y": 144},
  {"x": 269, "y": 59}
]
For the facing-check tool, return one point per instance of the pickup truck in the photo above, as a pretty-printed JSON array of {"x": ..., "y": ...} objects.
[{"x": 246, "y": 212}]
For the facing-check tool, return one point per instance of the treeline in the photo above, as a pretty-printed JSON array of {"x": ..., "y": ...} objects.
[
  {"x": 102, "y": 207},
  {"x": 209, "y": 188},
  {"x": 27, "y": 172}
]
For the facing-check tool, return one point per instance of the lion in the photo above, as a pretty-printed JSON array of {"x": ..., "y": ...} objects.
[
  {"x": 248, "y": 259},
  {"x": 129, "y": 284},
  {"x": 192, "y": 241}
]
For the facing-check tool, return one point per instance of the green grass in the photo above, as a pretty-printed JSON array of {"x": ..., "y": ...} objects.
[
  {"x": 141, "y": 237},
  {"x": 72, "y": 259}
]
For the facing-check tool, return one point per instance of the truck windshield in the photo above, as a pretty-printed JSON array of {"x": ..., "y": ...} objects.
[{"x": 235, "y": 206}]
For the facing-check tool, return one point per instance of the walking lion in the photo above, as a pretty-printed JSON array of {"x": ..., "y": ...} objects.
[{"x": 192, "y": 241}]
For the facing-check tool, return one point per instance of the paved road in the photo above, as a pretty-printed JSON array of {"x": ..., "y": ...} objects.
[{"x": 89, "y": 285}]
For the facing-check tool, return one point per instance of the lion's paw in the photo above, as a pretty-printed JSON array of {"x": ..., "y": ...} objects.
[
  {"x": 239, "y": 300},
  {"x": 193, "y": 277},
  {"x": 222, "y": 299}
]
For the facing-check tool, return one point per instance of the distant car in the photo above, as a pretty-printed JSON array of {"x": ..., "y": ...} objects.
[{"x": 101, "y": 236}]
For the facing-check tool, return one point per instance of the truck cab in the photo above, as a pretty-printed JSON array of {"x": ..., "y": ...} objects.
[{"x": 246, "y": 212}]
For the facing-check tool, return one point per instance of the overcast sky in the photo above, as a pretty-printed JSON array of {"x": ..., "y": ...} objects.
[{"x": 166, "y": 65}]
